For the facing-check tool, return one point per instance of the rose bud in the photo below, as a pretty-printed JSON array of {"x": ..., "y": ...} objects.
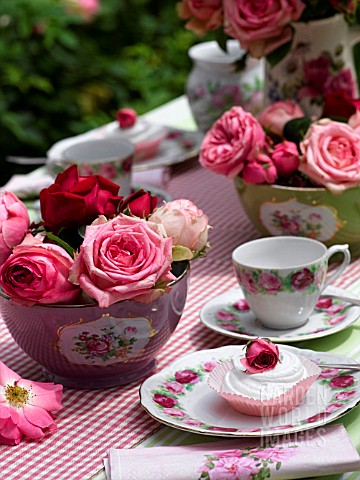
[
  {"x": 260, "y": 170},
  {"x": 139, "y": 204},
  {"x": 261, "y": 355},
  {"x": 126, "y": 117},
  {"x": 286, "y": 158}
]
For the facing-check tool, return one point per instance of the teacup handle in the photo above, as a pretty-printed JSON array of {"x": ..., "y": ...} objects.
[{"x": 344, "y": 249}]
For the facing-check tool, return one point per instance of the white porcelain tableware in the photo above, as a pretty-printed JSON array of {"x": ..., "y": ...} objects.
[
  {"x": 230, "y": 315},
  {"x": 180, "y": 396},
  {"x": 282, "y": 277}
]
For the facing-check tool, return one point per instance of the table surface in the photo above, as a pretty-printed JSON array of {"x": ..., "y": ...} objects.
[{"x": 92, "y": 421}]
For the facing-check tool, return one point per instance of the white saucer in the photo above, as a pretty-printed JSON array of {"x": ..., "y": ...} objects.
[
  {"x": 221, "y": 315},
  {"x": 177, "y": 147},
  {"x": 193, "y": 406}
]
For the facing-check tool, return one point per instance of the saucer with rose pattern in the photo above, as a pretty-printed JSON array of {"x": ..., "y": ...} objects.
[
  {"x": 230, "y": 315},
  {"x": 179, "y": 396}
]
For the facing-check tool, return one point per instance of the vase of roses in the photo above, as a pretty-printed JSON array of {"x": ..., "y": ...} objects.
[
  {"x": 94, "y": 290},
  {"x": 307, "y": 44},
  {"x": 294, "y": 175}
]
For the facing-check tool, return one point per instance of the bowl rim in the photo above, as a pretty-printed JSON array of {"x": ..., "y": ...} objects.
[{"x": 186, "y": 269}]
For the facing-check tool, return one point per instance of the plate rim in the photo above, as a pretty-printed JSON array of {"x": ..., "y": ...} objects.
[
  {"x": 318, "y": 423},
  {"x": 283, "y": 340}
]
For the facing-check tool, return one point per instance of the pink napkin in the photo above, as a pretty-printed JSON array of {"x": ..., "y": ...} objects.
[{"x": 305, "y": 454}]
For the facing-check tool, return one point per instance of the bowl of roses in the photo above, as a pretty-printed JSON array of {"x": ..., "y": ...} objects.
[
  {"x": 94, "y": 290},
  {"x": 295, "y": 175}
]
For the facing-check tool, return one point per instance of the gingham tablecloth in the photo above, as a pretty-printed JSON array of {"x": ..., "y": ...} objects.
[{"x": 92, "y": 421}]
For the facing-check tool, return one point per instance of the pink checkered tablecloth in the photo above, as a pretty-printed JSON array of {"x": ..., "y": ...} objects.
[{"x": 91, "y": 421}]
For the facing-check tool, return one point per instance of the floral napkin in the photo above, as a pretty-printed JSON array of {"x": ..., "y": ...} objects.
[{"x": 305, "y": 454}]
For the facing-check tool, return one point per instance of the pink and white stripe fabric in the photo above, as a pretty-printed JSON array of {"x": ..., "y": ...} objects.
[{"x": 92, "y": 421}]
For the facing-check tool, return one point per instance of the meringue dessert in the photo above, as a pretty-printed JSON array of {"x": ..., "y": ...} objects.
[{"x": 265, "y": 380}]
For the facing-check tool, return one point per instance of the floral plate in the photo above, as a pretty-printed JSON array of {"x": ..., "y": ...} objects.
[
  {"x": 229, "y": 315},
  {"x": 179, "y": 396}
]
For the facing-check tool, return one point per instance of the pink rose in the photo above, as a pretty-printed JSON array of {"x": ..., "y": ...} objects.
[
  {"x": 98, "y": 347},
  {"x": 261, "y": 355},
  {"x": 204, "y": 15},
  {"x": 241, "y": 305},
  {"x": 126, "y": 117},
  {"x": 174, "y": 387},
  {"x": 121, "y": 259},
  {"x": 184, "y": 222},
  {"x": 87, "y": 8},
  {"x": 329, "y": 372},
  {"x": 269, "y": 282},
  {"x": 344, "y": 395},
  {"x": 286, "y": 158},
  {"x": 174, "y": 412},
  {"x": 247, "y": 281},
  {"x": 225, "y": 316},
  {"x": 37, "y": 273},
  {"x": 260, "y": 170},
  {"x": 261, "y": 25},
  {"x": 302, "y": 279},
  {"x": 342, "y": 381},
  {"x": 324, "y": 303},
  {"x": 331, "y": 155},
  {"x": 233, "y": 139},
  {"x": 333, "y": 407},
  {"x": 164, "y": 400},
  {"x": 274, "y": 117},
  {"x": 186, "y": 376},
  {"x": 14, "y": 222},
  {"x": 209, "y": 366}
]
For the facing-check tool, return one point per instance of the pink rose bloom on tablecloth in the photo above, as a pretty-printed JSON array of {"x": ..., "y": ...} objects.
[
  {"x": 269, "y": 282},
  {"x": 274, "y": 454},
  {"x": 122, "y": 259},
  {"x": 274, "y": 117},
  {"x": 203, "y": 16},
  {"x": 331, "y": 155},
  {"x": 261, "y": 25},
  {"x": 233, "y": 139},
  {"x": 260, "y": 169},
  {"x": 185, "y": 223},
  {"x": 37, "y": 273},
  {"x": 286, "y": 158},
  {"x": 14, "y": 222},
  {"x": 25, "y": 407}
]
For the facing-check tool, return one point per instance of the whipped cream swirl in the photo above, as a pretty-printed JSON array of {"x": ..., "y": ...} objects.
[{"x": 266, "y": 385}]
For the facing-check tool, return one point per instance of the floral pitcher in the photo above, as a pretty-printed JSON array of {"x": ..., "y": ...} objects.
[{"x": 320, "y": 62}]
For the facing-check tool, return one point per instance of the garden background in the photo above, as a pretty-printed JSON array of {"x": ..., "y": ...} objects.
[{"x": 65, "y": 71}]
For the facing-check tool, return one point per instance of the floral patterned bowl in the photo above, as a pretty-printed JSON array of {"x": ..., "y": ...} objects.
[
  {"x": 84, "y": 346},
  {"x": 307, "y": 212}
]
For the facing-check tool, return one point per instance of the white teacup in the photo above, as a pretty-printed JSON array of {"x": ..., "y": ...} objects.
[
  {"x": 282, "y": 277},
  {"x": 110, "y": 158}
]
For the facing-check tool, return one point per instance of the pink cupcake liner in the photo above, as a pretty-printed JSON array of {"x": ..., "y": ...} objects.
[{"x": 264, "y": 408}]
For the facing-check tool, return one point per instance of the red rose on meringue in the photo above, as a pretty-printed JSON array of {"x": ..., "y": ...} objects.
[{"x": 261, "y": 355}]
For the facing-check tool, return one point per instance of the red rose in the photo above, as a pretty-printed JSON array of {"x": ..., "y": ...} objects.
[
  {"x": 338, "y": 104},
  {"x": 73, "y": 200},
  {"x": 139, "y": 204},
  {"x": 302, "y": 279},
  {"x": 186, "y": 376},
  {"x": 261, "y": 355},
  {"x": 342, "y": 381},
  {"x": 126, "y": 117},
  {"x": 164, "y": 400}
]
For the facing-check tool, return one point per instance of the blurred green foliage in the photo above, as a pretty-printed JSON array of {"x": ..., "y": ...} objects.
[{"x": 61, "y": 75}]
